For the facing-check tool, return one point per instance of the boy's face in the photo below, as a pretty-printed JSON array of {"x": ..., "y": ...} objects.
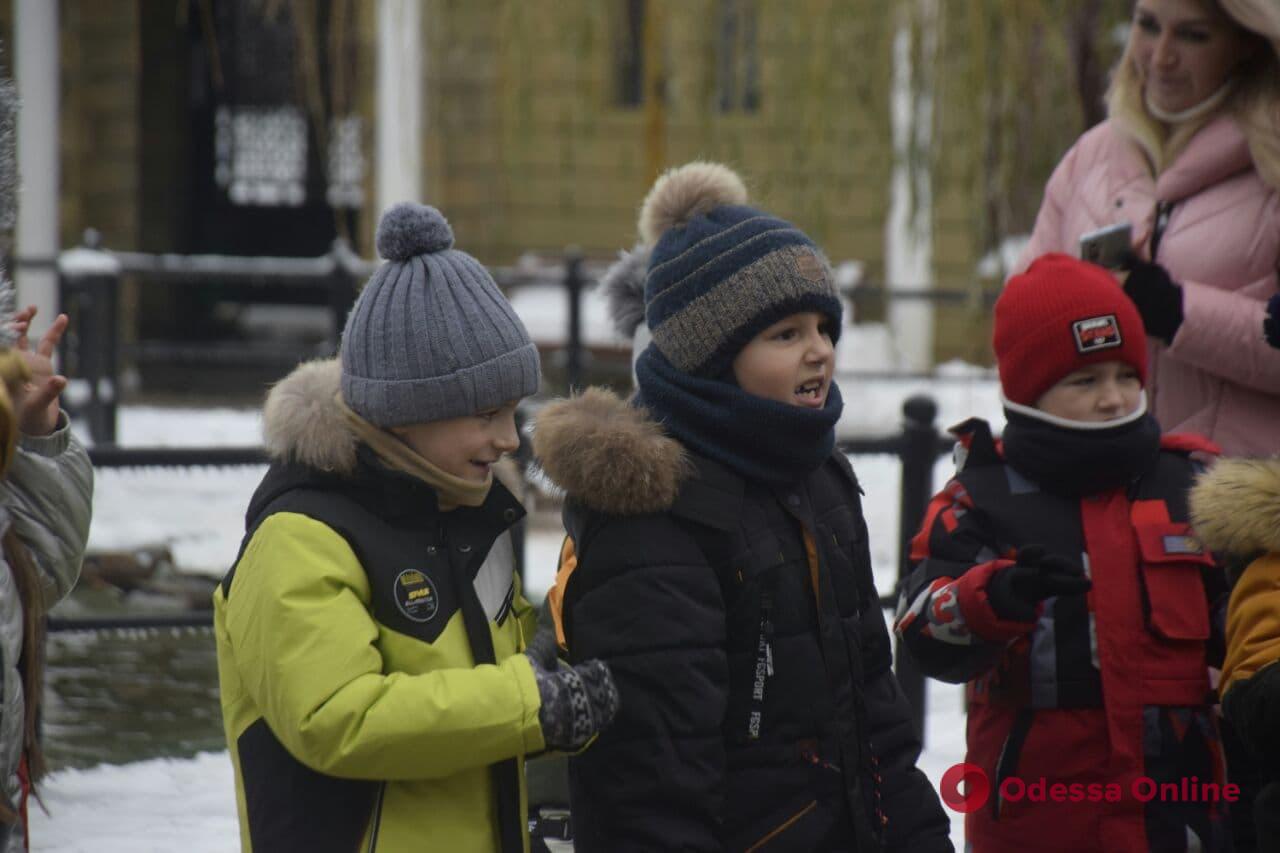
[
  {"x": 791, "y": 362},
  {"x": 468, "y": 446},
  {"x": 1099, "y": 392}
]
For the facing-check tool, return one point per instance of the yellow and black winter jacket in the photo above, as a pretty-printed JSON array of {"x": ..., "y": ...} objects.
[
  {"x": 1235, "y": 508},
  {"x": 373, "y": 693},
  {"x": 1236, "y": 511}
]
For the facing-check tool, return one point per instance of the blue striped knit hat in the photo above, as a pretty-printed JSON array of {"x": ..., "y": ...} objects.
[{"x": 721, "y": 271}]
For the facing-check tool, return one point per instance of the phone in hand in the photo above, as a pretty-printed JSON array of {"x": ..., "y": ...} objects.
[{"x": 1108, "y": 247}]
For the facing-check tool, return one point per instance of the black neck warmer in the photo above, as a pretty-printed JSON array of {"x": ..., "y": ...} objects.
[
  {"x": 763, "y": 440},
  {"x": 1076, "y": 461}
]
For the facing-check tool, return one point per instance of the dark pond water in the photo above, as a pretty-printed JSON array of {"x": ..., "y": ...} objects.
[{"x": 120, "y": 696}]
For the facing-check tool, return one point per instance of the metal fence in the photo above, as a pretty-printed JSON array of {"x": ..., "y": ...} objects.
[{"x": 90, "y": 283}]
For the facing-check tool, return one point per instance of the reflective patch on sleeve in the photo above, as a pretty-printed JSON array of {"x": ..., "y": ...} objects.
[{"x": 937, "y": 608}]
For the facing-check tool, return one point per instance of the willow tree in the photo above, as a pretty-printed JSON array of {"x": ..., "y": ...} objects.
[{"x": 1014, "y": 84}]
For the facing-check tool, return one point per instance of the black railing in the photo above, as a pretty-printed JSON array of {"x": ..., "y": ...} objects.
[
  {"x": 90, "y": 290},
  {"x": 89, "y": 283}
]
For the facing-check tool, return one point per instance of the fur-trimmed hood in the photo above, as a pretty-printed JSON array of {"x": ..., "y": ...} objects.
[
  {"x": 1235, "y": 506},
  {"x": 609, "y": 454},
  {"x": 302, "y": 420}
]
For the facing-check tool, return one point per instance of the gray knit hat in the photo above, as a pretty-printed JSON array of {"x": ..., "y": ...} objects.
[{"x": 431, "y": 337}]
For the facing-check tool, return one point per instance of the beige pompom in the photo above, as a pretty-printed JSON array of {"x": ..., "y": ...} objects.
[{"x": 685, "y": 192}]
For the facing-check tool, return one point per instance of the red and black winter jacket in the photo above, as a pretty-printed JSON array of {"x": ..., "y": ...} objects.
[{"x": 1103, "y": 688}]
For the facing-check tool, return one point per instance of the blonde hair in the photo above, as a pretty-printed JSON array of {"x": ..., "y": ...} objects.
[
  {"x": 1254, "y": 102},
  {"x": 14, "y": 373}
]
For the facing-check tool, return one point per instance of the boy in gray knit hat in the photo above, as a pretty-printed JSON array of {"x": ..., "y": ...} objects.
[{"x": 373, "y": 642}]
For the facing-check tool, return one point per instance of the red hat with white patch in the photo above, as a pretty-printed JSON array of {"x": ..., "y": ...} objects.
[{"x": 1057, "y": 317}]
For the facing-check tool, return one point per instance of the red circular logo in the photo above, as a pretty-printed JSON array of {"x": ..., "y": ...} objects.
[{"x": 977, "y": 787}]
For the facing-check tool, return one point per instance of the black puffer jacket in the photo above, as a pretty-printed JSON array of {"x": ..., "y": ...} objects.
[{"x": 748, "y": 644}]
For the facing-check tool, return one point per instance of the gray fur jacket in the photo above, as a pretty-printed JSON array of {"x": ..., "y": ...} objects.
[{"x": 47, "y": 499}]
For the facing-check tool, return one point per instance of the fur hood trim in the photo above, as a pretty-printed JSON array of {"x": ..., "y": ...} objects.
[
  {"x": 608, "y": 454},
  {"x": 303, "y": 422},
  {"x": 1235, "y": 506}
]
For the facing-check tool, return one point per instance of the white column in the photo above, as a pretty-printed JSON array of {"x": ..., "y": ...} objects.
[
  {"x": 35, "y": 52},
  {"x": 401, "y": 102},
  {"x": 908, "y": 232}
]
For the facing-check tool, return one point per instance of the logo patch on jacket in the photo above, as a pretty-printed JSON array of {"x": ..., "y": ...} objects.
[
  {"x": 1095, "y": 333},
  {"x": 1182, "y": 545},
  {"x": 416, "y": 595}
]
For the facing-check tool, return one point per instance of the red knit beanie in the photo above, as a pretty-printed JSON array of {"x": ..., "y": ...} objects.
[{"x": 1058, "y": 316}]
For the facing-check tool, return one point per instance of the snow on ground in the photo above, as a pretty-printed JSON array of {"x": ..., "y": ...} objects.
[{"x": 166, "y": 805}]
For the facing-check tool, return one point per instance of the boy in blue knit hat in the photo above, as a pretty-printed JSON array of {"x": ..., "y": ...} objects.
[
  {"x": 370, "y": 634},
  {"x": 717, "y": 560}
]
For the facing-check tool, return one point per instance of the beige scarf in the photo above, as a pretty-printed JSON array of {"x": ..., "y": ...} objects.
[{"x": 452, "y": 492}]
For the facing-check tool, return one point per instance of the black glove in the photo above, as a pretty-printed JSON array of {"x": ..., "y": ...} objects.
[
  {"x": 1014, "y": 591},
  {"x": 577, "y": 702},
  {"x": 1271, "y": 325},
  {"x": 1157, "y": 297}
]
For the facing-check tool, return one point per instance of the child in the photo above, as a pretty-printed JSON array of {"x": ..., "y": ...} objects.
[
  {"x": 717, "y": 560},
  {"x": 46, "y": 495},
  {"x": 369, "y": 634},
  {"x": 1056, "y": 575},
  {"x": 46, "y": 498},
  {"x": 1236, "y": 510}
]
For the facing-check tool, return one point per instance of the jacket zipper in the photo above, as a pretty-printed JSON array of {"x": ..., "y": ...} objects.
[
  {"x": 376, "y": 822},
  {"x": 1163, "y": 210},
  {"x": 782, "y": 827},
  {"x": 1007, "y": 763}
]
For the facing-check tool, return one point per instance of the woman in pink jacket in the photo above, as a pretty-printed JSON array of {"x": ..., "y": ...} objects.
[{"x": 1190, "y": 156}]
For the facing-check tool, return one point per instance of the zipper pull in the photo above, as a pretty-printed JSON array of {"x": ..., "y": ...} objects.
[{"x": 1163, "y": 210}]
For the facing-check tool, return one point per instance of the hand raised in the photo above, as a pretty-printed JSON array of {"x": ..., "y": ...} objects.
[{"x": 37, "y": 402}]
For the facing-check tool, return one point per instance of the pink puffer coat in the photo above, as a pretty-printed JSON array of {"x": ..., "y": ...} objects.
[{"x": 1218, "y": 378}]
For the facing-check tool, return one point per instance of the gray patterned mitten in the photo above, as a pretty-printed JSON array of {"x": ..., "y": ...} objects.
[{"x": 577, "y": 702}]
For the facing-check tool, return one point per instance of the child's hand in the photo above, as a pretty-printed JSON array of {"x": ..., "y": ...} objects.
[
  {"x": 37, "y": 402},
  {"x": 1015, "y": 591},
  {"x": 577, "y": 702}
]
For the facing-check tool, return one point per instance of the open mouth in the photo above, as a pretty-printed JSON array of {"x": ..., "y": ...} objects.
[{"x": 811, "y": 393}]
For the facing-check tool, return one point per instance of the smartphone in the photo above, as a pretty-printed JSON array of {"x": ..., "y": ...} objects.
[{"x": 1108, "y": 247}]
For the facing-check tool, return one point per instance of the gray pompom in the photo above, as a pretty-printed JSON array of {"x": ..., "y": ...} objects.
[
  {"x": 623, "y": 288},
  {"x": 407, "y": 229}
]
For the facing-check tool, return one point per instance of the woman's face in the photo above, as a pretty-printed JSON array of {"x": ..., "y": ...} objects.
[{"x": 1184, "y": 50}]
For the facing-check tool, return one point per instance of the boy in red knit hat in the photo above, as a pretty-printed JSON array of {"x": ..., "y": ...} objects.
[{"x": 1057, "y": 576}]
